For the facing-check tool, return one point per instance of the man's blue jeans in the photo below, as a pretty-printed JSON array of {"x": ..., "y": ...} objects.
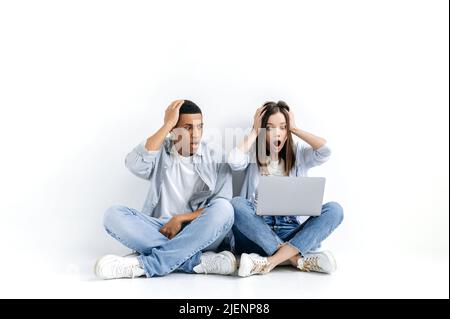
[
  {"x": 264, "y": 234},
  {"x": 159, "y": 255}
]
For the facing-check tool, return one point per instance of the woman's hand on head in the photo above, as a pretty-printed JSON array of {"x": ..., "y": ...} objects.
[
  {"x": 257, "y": 118},
  {"x": 292, "y": 125}
]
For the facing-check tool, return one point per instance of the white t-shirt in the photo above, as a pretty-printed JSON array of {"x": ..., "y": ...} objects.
[
  {"x": 180, "y": 183},
  {"x": 276, "y": 168}
]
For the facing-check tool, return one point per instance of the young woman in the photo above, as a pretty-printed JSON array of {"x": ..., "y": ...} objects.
[{"x": 267, "y": 241}]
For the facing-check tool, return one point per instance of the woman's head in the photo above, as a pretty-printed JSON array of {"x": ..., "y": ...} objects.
[{"x": 275, "y": 138}]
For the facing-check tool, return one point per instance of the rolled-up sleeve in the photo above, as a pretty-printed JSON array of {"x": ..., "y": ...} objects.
[
  {"x": 313, "y": 157},
  {"x": 141, "y": 162},
  {"x": 238, "y": 160}
]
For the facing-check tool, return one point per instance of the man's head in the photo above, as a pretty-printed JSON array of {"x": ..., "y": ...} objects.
[{"x": 189, "y": 129}]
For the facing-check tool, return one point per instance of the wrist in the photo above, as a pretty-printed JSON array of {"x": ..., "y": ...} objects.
[
  {"x": 295, "y": 129},
  {"x": 180, "y": 218},
  {"x": 167, "y": 127}
]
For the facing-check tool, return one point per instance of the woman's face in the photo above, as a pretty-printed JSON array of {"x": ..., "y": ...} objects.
[{"x": 276, "y": 132}]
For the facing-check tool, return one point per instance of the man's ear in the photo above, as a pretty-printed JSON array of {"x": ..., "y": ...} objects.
[
  {"x": 175, "y": 133},
  {"x": 171, "y": 135}
]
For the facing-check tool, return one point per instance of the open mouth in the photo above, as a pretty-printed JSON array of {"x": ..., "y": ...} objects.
[{"x": 277, "y": 143}]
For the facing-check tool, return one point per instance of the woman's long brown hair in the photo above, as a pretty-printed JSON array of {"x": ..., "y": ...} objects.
[{"x": 287, "y": 153}]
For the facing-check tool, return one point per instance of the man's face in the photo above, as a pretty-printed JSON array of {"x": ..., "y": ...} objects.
[{"x": 188, "y": 133}]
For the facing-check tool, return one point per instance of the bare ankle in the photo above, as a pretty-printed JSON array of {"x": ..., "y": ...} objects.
[{"x": 294, "y": 260}]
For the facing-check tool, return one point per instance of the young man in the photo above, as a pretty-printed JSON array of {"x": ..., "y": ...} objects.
[{"x": 187, "y": 213}]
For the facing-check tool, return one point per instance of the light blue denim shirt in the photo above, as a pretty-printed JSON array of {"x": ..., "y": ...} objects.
[
  {"x": 209, "y": 163},
  {"x": 306, "y": 158}
]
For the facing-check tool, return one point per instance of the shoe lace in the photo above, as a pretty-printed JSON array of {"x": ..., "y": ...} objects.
[
  {"x": 125, "y": 271},
  {"x": 309, "y": 264},
  {"x": 259, "y": 266},
  {"x": 211, "y": 265}
]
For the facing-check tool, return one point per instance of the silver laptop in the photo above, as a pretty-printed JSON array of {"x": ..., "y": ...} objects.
[{"x": 283, "y": 195}]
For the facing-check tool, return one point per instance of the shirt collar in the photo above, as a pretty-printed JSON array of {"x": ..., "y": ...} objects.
[{"x": 200, "y": 150}]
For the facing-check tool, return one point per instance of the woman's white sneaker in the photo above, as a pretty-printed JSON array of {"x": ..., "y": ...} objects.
[
  {"x": 114, "y": 267},
  {"x": 322, "y": 261},
  {"x": 253, "y": 264},
  {"x": 223, "y": 263}
]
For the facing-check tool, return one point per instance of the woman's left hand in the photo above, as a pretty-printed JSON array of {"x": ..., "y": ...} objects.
[{"x": 292, "y": 125}]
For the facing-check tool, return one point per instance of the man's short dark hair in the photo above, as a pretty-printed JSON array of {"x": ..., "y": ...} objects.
[{"x": 189, "y": 107}]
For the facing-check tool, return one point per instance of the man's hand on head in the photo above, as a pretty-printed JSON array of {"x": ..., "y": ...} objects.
[{"x": 173, "y": 113}]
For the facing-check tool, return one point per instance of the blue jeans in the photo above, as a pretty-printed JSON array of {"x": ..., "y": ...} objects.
[
  {"x": 264, "y": 234},
  {"x": 160, "y": 255}
]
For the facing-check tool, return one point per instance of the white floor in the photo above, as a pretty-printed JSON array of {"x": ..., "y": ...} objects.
[{"x": 356, "y": 277}]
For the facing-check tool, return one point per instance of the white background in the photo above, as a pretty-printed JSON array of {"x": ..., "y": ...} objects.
[{"x": 82, "y": 82}]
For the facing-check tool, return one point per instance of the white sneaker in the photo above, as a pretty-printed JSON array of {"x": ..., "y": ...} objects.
[
  {"x": 223, "y": 263},
  {"x": 113, "y": 267},
  {"x": 322, "y": 261},
  {"x": 253, "y": 264}
]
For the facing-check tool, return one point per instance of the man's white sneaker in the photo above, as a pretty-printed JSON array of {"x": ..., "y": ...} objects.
[
  {"x": 223, "y": 263},
  {"x": 114, "y": 267},
  {"x": 253, "y": 264},
  {"x": 322, "y": 261}
]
